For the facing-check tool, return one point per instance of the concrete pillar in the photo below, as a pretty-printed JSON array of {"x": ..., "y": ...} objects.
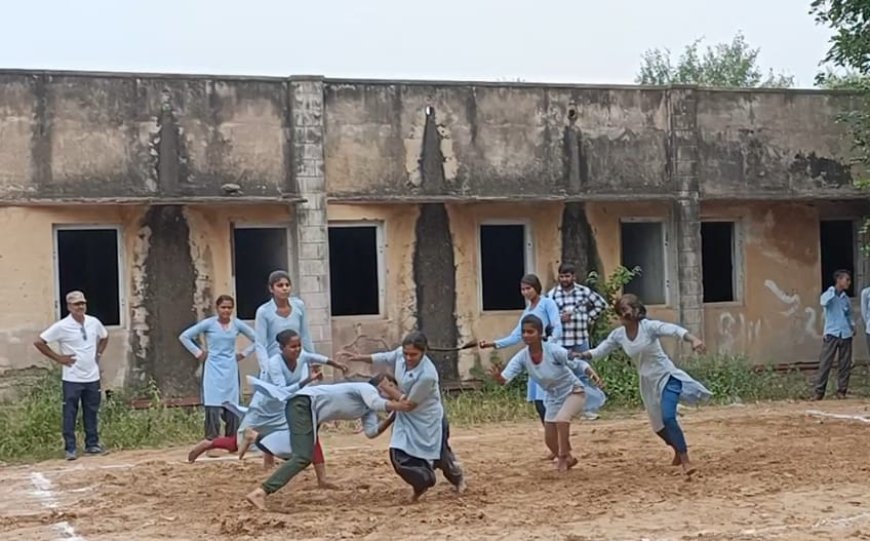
[
  {"x": 687, "y": 207},
  {"x": 312, "y": 238}
]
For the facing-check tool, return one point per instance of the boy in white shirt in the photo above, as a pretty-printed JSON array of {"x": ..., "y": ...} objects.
[{"x": 82, "y": 340}]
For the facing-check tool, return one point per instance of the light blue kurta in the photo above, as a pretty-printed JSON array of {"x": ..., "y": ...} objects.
[
  {"x": 220, "y": 373},
  {"x": 548, "y": 311},
  {"x": 267, "y": 325},
  {"x": 653, "y": 365},
  {"x": 556, "y": 374},
  {"x": 333, "y": 402},
  {"x": 417, "y": 432},
  {"x": 266, "y": 414}
]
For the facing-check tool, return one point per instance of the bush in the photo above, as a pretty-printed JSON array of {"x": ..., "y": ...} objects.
[{"x": 31, "y": 426}]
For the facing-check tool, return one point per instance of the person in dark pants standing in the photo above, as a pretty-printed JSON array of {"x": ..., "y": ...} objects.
[
  {"x": 837, "y": 338},
  {"x": 82, "y": 340}
]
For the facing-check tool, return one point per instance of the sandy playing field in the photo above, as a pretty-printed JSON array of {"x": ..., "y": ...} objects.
[{"x": 768, "y": 472}]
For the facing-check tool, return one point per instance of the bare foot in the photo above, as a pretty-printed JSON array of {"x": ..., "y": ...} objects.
[
  {"x": 417, "y": 494},
  {"x": 268, "y": 461},
  {"x": 257, "y": 498},
  {"x": 460, "y": 487},
  {"x": 326, "y": 485},
  {"x": 197, "y": 450},
  {"x": 562, "y": 464},
  {"x": 676, "y": 461},
  {"x": 689, "y": 469},
  {"x": 549, "y": 458},
  {"x": 572, "y": 462},
  {"x": 247, "y": 440}
]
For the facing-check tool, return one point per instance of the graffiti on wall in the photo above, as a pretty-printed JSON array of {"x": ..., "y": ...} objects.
[{"x": 784, "y": 316}]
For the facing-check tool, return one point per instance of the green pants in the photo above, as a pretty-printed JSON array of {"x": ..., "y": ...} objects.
[{"x": 298, "y": 412}]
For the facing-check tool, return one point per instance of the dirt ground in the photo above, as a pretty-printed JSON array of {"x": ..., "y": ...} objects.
[{"x": 775, "y": 472}]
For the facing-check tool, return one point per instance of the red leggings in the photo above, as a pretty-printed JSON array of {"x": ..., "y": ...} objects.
[{"x": 230, "y": 443}]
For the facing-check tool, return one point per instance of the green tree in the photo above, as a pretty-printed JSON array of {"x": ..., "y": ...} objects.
[
  {"x": 850, "y": 54},
  {"x": 732, "y": 64}
]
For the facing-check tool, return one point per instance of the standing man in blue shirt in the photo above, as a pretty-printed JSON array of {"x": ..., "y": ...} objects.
[{"x": 837, "y": 339}]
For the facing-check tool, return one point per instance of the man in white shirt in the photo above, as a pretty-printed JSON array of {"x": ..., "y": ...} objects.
[{"x": 82, "y": 340}]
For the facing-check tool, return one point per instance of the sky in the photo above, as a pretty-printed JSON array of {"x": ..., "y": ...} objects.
[{"x": 567, "y": 41}]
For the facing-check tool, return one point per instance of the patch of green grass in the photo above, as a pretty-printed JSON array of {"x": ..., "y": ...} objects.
[{"x": 31, "y": 425}]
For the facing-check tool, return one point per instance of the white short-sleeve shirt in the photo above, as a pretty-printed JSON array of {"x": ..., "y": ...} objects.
[{"x": 81, "y": 342}]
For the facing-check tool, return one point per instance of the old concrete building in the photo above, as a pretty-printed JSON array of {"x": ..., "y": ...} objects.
[{"x": 397, "y": 204}]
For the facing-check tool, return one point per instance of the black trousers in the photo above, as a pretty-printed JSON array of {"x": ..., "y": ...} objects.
[
  {"x": 541, "y": 409},
  {"x": 213, "y": 417},
  {"x": 419, "y": 472}
]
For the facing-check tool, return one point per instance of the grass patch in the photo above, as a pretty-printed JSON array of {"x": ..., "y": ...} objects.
[{"x": 31, "y": 425}]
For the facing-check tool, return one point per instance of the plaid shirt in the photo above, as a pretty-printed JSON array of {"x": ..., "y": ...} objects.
[{"x": 585, "y": 305}]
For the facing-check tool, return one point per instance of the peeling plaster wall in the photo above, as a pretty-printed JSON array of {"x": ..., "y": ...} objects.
[
  {"x": 376, "y": 333},
  {"x": 768, "y": 142},
  {"x": 778, "y": 317},
  {"x": 29, "y": 284},
  {"x": 84, "y": 135},
  {"x": 495, "y": 140},
  {"x": 27, "y": 261}
]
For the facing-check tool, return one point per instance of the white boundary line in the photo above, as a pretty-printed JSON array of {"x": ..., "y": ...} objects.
[
  {"x": 46, "y": 496},
  {"x": 818, "y": 413}
]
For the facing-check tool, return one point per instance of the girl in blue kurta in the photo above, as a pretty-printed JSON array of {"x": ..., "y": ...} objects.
[
  {"x": 565, "y": 396},
  {"x": 279, "y": 313},
  {"x": 220, "y": 374},
  {"x": 290, "y": 370},
  {"x": 662, "y": 384},
  {"x": 420, "y": 437},
  {"x": 547, "y": 311}
]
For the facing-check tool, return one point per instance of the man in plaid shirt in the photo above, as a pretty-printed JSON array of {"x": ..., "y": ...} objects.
[{"x": 580, "y": 307}]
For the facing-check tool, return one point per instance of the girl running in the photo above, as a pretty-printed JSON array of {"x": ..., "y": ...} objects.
[
  {"x": 565, "y": 395},
  {"x": 547, "y": 311},
  {"x": 662, "y": 384},
  {"x": 420, "y": 437}
]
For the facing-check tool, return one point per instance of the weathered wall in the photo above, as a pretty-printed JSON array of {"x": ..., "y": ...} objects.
[
  {"x": 765, "y": 142},
  {"x": 495, "y": 140},
  {"x": 90, "y": 136},
  {"x": 174, "y": 264},
  {"x": 29, "y": 284},
  {"x": 377, "y": 333},
  {"x": 778, "y": 317}
]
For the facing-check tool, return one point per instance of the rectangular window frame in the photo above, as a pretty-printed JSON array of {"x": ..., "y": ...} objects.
[
  {"x": 738, "y": 272},
  {"x": 122, "y": 290},
  {"x": 667, "y": 260},
  {"x": 859, "y": 260},
  {"x": 291, "y": 243},
  {"x": 380, "y": 247},
  {"x": 529, "y": 254}
]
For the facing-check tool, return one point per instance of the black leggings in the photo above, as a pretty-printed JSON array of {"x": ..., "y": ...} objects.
[
  {"x": 541, "y": 409},
  {"x": 420, "y": 473}
]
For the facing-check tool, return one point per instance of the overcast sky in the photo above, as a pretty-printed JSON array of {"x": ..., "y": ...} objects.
[{"x": 579, "y": 41}]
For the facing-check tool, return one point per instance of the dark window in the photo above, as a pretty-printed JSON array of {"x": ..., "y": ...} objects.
[
  {"x": 717, "y": 261},
  {"x": 837, "y": 247},
  {"x": 87, "y": 260},
  {"x": 502, "y": 266},
  {"x": 354, "y": 287},
  {"x": 643, "y": 245},
  {"x": 256, "y": 253}
]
